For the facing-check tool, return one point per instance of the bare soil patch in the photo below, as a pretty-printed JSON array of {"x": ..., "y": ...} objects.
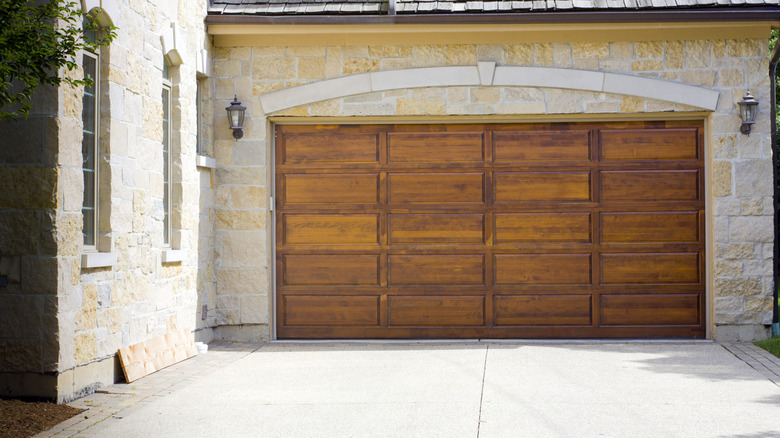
[{"x": 20, "y": 418}]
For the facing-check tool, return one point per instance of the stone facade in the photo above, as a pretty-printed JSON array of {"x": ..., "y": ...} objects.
[
  {"x": 740, "y": 174},
  {"x": 62, "y": 321}
]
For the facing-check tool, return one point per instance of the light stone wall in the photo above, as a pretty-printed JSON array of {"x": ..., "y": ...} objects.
[
  {"x": 63, "y": 323},
  {"x": 740, "y": 199}
]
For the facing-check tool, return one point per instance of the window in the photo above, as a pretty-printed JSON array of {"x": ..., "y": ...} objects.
[
  {"x": 199, "y": 147},
  {"x": 89, "y": 148},
  {"x": 166, "y": 122}
]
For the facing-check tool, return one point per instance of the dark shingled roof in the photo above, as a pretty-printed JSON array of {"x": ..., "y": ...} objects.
[{"x": 418, "y": 7}]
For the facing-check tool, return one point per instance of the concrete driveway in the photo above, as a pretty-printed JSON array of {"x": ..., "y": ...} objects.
[{"x": 471, "y": 389}]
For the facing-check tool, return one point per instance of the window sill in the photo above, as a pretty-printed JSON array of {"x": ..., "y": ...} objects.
[
  {"x": 98, "y": 259},
  {"x": 173, "y": 255},
  {"x": 204, "y": 161}
]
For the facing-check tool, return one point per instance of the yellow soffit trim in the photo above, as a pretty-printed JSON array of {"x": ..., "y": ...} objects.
[{"x": 227, "y": 35}]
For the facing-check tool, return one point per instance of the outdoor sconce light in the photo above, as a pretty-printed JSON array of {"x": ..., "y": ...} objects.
[
  {"x": 235, "y": 114},
  {"x": 748, "y": 107}
]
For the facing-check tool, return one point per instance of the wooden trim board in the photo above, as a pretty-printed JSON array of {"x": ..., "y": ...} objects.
[{"x": 145, "y": 358}]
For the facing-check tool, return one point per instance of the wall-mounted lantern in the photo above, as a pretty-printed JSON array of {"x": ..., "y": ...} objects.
[
  {"x": 235, "y": 114},
  {"x": 748, "y": 108}
]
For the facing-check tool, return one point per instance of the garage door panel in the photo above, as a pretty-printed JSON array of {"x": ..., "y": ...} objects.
[
  {"x": 331, "y": 148},
  {"x": 543, "y": 269},
  {"x": 545, "y": 187},
  {"x": 435, "y": 147},
  {"x": 650, "y": 186},
  {"x": 306, "y": 310},
  {"x": 542, "y": 228},
  {"x": 543, "y": 310},
  {"x": 331, "y": 188},
  {"x": 301, "y": 229},
  {"x": 569, "y": 230},
  {"x": 524, "y": 146},
  {"x": 436, "y": 228},
  {"x": 650, "y": 227},
  {"x": 649, "y": 144},
  {"x": 436, "y": 269},
  {"x": 650, "y": 268},
  {"x": 650, "y": 309},
  {"x": 436, "y": 188},
  {"x": 427, "y": 311},
  {"x": 319, "y": 270}
]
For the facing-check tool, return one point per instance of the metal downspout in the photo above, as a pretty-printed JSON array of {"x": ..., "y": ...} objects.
[{"x": 776, "y": 264}]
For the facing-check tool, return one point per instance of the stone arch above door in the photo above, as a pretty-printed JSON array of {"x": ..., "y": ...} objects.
[{"x": 488, "y": 74}]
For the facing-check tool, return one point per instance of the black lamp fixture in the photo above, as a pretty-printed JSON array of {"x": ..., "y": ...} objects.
[
  {"x": 235, "y": 114},
  {"x": 748, "y": 108}
]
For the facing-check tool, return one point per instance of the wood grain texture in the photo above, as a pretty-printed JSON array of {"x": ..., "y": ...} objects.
[
  {"x": 649, "y": 268},
  {"x": 318, "y": 269},
  {"x": 650, "y": 186},
  {"x": 435, "y": 147},
  {"x": 436, "y": 311},
  {"x": 650, "y": 227},
  {"x": 331, "y": 148},
  {"x": 547, "y": 269},
  {"x": 542, "y": 227},
  {"x": 542, "y": 187},
  {"x": 543, "y": 310},
  {"x": 436, "y": 228},
  {"x": 436, "y": 269},
  {"x": 490, "y": 230},
  {"x": 331, "y": 229},
  {"x": 649, "y": 144},
  {"x": 306, "y": 310},
  {"x": 521, "y": 146},
  {"x": 649, "y": 309},
  {"x": 331, "y": 189},
  {"x": 438, "y": 188}
]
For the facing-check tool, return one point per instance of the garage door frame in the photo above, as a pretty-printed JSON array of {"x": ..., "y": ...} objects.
[{"x": 702, "y": 117}]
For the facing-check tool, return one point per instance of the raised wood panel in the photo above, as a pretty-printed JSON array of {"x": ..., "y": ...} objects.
[
  {"x": 436, "y": 228},
  {"x": 430, "y": 311},
  {"x": 324, "y": 270},
  {"x": 435, "y": 147},
  {"x": 650, "y": 309},
  {"x": 542, "y": 187},
  {"x": 539, "y": 269},
  {"x": 436, "y": 269},
  {"x": 650, "y": 186},
  {"x": 307, "y": 310},
  {"x": 661, "y": 227},
  {"x": 439, "y": 188},
  {"x": 520, "y": 146},
  {"x": 331, "y": 148},
  {"x": 331, "y": 189},
  {"x": 542, "y": 310},
  {"x": 650, "y": 268},
  {"x": 331, "y": 229},
  {"x": 542, "y": 227},
  {"x": 649, "y": 144}
]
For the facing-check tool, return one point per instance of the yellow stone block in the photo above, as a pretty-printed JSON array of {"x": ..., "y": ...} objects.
[
  {"x": 360, "y": 65},
  {"x": 421, "y": 106},
  {"x": 311, "y": 68},
  {"x": 460, "y": 54},
  {"x": 591, "y": 50}
]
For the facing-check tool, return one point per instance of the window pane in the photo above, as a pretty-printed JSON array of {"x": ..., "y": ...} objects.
[
  {"x": 166, "y": 101},
  {"x": 89, "y": 148}
]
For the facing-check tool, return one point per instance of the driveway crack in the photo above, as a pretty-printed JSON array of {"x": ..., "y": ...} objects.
[{"x": 482, "y": 389}]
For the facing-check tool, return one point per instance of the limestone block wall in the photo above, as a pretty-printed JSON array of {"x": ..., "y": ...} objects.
[
  {"x": 32, "y": 210},
  {"x": 740, "y": 234},
  {"x": 66, "y": 320}
]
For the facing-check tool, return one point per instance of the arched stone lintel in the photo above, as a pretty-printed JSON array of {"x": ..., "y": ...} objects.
[
  {"x": 109, "y": 10},
  {"x": 488, "y": 74}
]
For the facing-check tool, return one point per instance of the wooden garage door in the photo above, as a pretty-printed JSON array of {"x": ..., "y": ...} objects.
[{"x": 562, "y": 230}]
